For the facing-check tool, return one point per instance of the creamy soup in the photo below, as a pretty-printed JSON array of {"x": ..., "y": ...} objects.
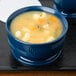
[{"x": 36, "y": 27}]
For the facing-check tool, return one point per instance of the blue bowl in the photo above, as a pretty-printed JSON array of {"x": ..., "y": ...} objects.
[
  {"x": 36, "y": 54},
  {"x": 66, "y": 7}
]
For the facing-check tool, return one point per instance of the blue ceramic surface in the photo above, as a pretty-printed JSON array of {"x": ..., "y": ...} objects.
[
  {"x": 66, "y": 7},
  {"x": 36, "y": 54}
]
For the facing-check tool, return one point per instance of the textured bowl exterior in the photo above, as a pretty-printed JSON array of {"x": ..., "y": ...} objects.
[{"x": 35, "y": 52}]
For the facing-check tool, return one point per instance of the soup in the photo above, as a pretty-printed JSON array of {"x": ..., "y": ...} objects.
[{"x": 36, "y": 27}]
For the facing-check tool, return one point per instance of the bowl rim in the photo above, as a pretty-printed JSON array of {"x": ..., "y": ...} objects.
[{"x": 38, "y": 8}]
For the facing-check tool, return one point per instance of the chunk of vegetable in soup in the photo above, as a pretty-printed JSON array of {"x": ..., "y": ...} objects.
[{"x": 36, "y": 27}]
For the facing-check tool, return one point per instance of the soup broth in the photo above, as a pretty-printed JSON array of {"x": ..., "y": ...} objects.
[{"x": 36, "y": 27}]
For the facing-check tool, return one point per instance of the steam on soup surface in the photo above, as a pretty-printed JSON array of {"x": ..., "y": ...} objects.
[{"x": 36, "y": 27}]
